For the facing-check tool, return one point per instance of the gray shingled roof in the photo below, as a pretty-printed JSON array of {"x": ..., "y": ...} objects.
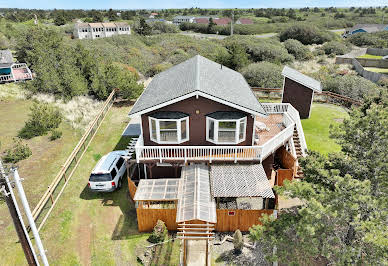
[
  {"x": 198, "y": 74},
  {"x": 368, "y": 27},
  {"x": 6, "y": 58},
  {"x": 296, "y": 76}
]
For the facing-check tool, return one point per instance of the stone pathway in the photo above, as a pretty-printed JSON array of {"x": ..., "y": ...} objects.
[{"x": 196, "y": 253}]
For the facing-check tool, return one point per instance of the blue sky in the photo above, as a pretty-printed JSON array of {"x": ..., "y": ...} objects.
[{"x": 157, "y": 4}]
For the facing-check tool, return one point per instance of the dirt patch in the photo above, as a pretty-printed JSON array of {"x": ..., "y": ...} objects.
[{"x": 85, "y": 237}]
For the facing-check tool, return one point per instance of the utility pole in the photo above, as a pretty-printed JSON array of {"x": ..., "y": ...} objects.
[
  {"x": 31, "y": 221},
  {"x": 231, "y": 24},
  {"x": 6, "y": 190}
]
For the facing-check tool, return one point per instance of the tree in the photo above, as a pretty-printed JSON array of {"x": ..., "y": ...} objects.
[
  {"x": 343, "y": 218},
  {"x": 143, "y": 28},
  {"x": 210, "y": 26},
  {"x": 112, "y": 15},
  {"x": 234, "y": 58},
  {"x": 60, "y": 19}
]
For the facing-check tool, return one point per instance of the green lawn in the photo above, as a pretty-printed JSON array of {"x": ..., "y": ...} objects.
[
  {"x": 376, "y": 69},
  {"x": 316, "y": 128},
  {"x": 38, "y": 170},
  {"x": 371, "y": 56}
]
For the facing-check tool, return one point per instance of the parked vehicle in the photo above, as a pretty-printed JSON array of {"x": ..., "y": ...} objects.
[{"x": 107, "y": 175}]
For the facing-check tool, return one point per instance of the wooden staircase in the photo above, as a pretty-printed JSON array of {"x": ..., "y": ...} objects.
[{"x": 298, "y": 150}]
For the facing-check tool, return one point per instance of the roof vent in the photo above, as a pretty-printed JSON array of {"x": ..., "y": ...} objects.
[{"x": 221, "y": 66}]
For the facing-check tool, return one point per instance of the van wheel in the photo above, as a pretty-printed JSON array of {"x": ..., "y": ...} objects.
[{"x": 119, "y": 186}]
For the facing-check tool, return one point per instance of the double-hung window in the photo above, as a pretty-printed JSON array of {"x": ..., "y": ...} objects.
[
  {"x": 226, "y": 127},
  {"x": 169, "y": 127}
]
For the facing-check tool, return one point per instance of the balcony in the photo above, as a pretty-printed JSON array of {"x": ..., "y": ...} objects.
[
  {"x": 19, "y": 72},
  {"x": 271, "y": 133}
]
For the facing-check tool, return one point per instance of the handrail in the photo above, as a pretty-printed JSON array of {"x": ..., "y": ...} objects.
[
  {"x": 6, "y": 77},
  {"x": 294, "y": 114}
]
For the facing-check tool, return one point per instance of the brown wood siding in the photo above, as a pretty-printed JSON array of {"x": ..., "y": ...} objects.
[
  {"x": 197, "y": 122},
  {"x": 284, "y": 174},
  {"x": 299, "y": 96},
  {"x": 147, "y": 218},
  {"x": 242, "y": 219}
]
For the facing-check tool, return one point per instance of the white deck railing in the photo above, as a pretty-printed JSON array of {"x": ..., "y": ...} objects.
[
  {"x": 19, "y": 65},
  {"x": 227, "y": 153},
  {"x": 6, "y": 78},
  {"x": 294, "y": 114}
]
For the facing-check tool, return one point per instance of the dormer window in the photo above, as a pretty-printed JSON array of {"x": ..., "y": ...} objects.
[
  {"x": 169, "y": 127},
  {"x": 226, "y": 127}
]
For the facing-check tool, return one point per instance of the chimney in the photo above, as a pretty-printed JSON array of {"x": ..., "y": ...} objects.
[{"x": 221, "y": 66}]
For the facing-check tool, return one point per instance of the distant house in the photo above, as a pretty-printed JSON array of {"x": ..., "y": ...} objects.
[
  {"x": 100, "y": 30},
  {"x": 298, "y": 90},
  {"x": 201, "y": 20},
  {"x": 11, "y": 71},
  {"x": 153, "y": 15},
  {"x": 183, "y": 19},
  {"x": 222, "y": 21},
  {"x": 244, "y": 21},
  {"x": 369, "y": 28}
]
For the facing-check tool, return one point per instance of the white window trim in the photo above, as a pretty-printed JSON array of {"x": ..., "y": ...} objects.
[
  {"x": 236, "y": 130},
  {"x": 179, "y": 130}
]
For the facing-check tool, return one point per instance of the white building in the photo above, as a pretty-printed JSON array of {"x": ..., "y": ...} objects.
[
  {"x": 182, "y": 19},
  {"x": 100, "y": 30}
]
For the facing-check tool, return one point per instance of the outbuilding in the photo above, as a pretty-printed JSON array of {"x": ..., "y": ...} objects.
[{"x": 298, "y": 90}]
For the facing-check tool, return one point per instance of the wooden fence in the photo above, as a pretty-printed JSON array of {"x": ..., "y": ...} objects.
[
  {"x": 147, "y": 218},
  {"x": 231, "y": 220},
  {"x": 56, "y": 188},
  {"x": 328, "y": 96}
]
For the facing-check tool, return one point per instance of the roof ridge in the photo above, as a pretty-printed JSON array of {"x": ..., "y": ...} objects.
[{"x": 197, "y": 86}]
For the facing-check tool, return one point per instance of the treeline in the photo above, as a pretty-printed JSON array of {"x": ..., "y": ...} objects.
[{"x": 66, "y": 68}]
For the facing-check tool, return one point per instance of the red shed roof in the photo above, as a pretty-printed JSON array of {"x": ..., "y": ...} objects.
[{"x": 245, "y": 21}]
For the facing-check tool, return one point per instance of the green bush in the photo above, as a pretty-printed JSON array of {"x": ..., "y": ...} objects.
[
  {"x": 235, "y": 57},
  {"x": 159, "y": 233},
  {"x": 355, "y": 87},
  {"x": 335, "y": 47},
  {"x": 306, "y": 34},
  {"x": 42, "y": 118},
  {"x": 270, "y": 52},
  {"x": 18, "y": 152},
  {"x": 377, "y": 39},
  {"x": 158, "y": 68},
  {"x": 238, "y": 242},
  {"x": 161, "y": 27},
  {"x": 263, "y": 74},
  {"x": 55, "y": 134},
  {"x": 297, "y": 49}
]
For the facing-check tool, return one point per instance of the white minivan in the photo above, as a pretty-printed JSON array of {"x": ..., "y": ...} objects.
[{"x": 108, "y": 174}]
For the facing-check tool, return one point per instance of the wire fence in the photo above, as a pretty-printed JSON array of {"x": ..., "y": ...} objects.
[{"x": 54, "y": 191}]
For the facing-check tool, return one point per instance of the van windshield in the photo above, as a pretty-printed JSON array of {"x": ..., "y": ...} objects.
[{"x": 100, "y": 177}]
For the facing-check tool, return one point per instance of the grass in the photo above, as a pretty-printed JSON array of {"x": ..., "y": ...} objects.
[
  {"x": 370, "y": 56},
  {"x": 316, "y": 128},
  {"x": 377, "y": 70},
  {"x": 38, "y": 170}
]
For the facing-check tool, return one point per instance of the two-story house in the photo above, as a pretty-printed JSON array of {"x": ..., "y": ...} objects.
[
  {"x": 209, "y": 151},
  {"x": 100, "y": 30}
]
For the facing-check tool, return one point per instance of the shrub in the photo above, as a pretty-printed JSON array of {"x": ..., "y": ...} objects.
[
  {"x": 55, "y": 134},
  {"x": 377, "y": 39},
  {"x": 238, "y": 242},
  {"x": 159, "y": 233},
  {"x": 158, "y": 68},
  {"x": 297, "y": 49},
  {"x": 335, "y": 47},
  {"x": 161, "y": 27},
  {"x": 306, "y": 34},
  {"x": 270, "y": 52},
  {"x": 349, "y": 85},
  {"x": 235, "y": 57},
  {"x": 18, "y": 152},
  {"x": 263, "y": 74},
  {"x": 43, "y": 118}
]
